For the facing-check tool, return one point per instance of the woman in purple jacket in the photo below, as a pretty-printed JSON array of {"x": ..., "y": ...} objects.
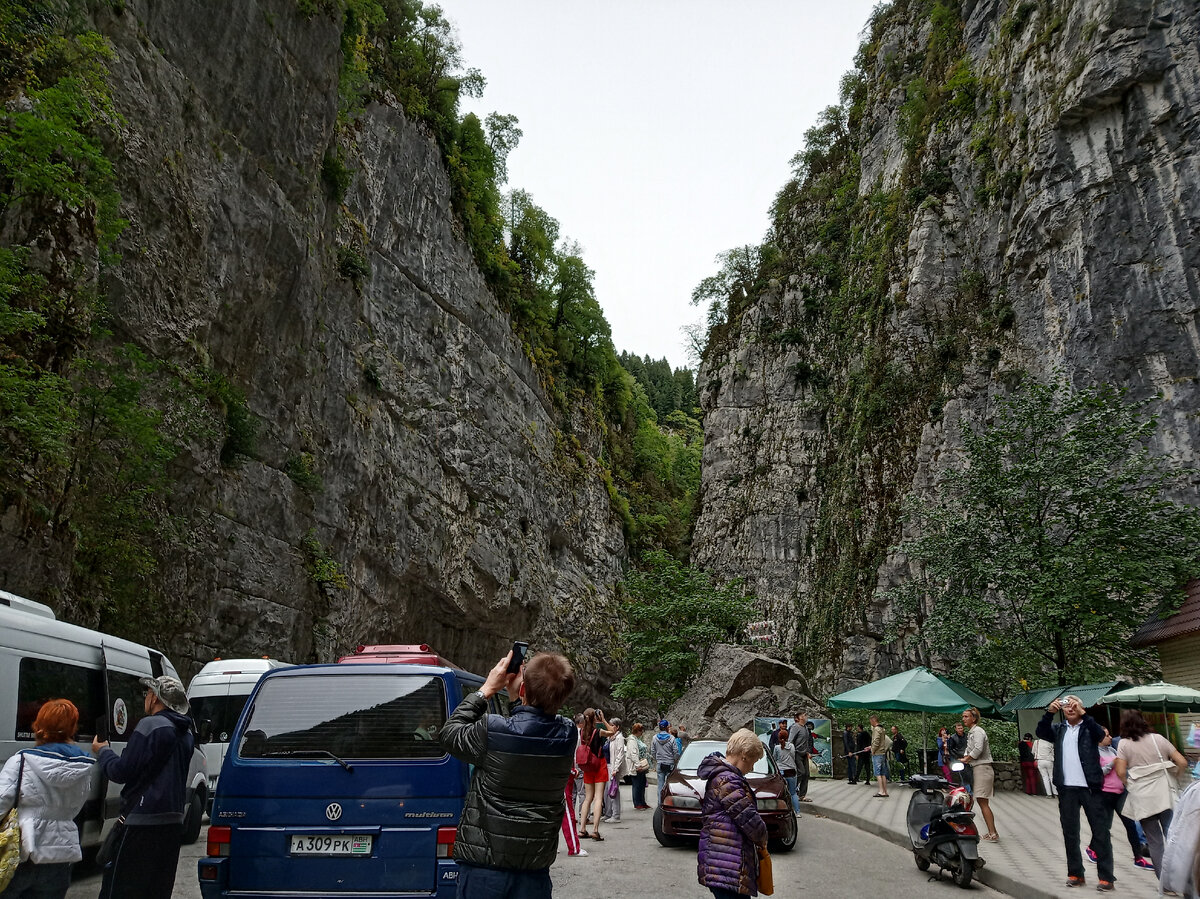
[{"x": 733, "y": 830}]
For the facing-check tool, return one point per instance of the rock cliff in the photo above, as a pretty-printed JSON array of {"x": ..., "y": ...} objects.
[
  {"x": 1007, "y": 187},
  {"x": 404, "y": 440}
]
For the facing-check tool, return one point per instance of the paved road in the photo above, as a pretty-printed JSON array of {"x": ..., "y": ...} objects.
[{"x": 830, "y": 860}]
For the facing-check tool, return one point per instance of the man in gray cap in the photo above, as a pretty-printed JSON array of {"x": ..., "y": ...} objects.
[{"x": 153, "y": 769}]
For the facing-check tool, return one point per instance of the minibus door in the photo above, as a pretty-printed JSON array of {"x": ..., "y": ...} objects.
[{"x": 106, "y": 718}]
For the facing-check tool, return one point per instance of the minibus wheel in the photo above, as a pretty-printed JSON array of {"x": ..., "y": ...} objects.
[{"x": 193, "y": 817}]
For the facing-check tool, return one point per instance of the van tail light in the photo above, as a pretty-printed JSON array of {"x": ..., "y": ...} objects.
[
  {"x": 445, "y": 841},
  {"x": 218, "y": 841}
]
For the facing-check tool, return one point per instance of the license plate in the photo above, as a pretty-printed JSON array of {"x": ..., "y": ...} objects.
[{"x": 321, "y": 844}]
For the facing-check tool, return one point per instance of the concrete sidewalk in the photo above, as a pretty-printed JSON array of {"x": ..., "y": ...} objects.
[{"x": 1029, "y": 859}]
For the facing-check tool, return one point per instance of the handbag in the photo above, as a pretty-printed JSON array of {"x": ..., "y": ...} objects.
[
  {"x": 614, "y": 787},
  {"x": 586, "y": 759},
  {"x": 1151, "y": 787},
  {"x": 112, "y": 843},
  {"x": 766, "y": 874},
  {"x": 10, "y": 835}
]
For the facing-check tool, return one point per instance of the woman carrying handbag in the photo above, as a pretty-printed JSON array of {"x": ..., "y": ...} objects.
[
  {"x": 728, "y": 860},
  {"x": 1146, "y": 762},
  {"x": 48, "y": 786}
]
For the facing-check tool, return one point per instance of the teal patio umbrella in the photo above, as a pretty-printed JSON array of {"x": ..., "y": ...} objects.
[
  {"x": 1158, "y": 696},
  {"x": 915, "y": 690}
]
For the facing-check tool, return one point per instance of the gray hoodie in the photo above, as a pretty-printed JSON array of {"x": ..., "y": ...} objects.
[{"x": 662, "y": 749}]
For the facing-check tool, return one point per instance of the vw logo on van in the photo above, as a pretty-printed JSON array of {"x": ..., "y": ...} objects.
[{"x": 333, "y": 811}]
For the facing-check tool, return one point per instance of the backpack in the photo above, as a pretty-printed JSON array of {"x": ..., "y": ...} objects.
[{"x": 585, "y": 758}]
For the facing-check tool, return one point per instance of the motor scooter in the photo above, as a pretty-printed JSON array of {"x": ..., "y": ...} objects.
[{"x": 942, "y": 828}]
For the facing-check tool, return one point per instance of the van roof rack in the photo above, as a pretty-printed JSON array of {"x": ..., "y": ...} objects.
[
  {"x": 397, "y": 653},
  {"x": 21, "y": 604}
]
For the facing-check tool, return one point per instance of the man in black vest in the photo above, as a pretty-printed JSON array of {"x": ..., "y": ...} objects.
[
  {"x": 1080, "y": 780},
  {"x": 508, "y": 833}
]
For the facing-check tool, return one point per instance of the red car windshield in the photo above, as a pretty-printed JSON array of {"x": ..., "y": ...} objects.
[{"x": 695, "y": 752}]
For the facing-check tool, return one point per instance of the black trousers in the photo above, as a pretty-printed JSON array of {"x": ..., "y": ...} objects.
[
  {"x": 1113, "y": 803},
  {"x": 145, "y": 863},
  {"x": 802, "y": 776},
  {"x": 1099, "y": 818},
  {"x": 852, "y": 768}
]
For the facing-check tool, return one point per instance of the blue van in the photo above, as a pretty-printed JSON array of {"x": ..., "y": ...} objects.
[{"x": 335, "y": 785}]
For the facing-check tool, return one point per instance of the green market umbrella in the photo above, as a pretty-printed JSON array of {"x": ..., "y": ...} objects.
[
  {"x": 1158, "y": 696},
  {"x": 915, "y": 690}
]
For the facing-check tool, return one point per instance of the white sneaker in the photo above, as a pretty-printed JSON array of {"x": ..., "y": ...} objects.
[
  {"x": 616, "y": 820},
  {"x": 580, "y": 853}
]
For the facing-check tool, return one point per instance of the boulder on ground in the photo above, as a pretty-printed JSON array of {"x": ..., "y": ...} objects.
[{"x": 737, "y": 685}]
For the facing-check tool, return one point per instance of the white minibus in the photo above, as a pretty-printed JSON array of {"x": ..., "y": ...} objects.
[{"x": 42, "y": 658}]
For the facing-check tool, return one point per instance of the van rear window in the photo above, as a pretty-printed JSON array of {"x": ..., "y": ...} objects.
[
  {"x": 369, "y": 716},
  {"x": 221, "y": 713}
]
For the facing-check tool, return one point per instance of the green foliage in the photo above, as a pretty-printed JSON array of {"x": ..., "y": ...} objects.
[
  {"x": 674, "y": 615},
  {"x": 121, "y": 452},
  {"x": 1014, "y": 24},
  {"x": 667, "y": 389},
  {"x": 743, "y": 275},
  {"x": 241, "y": 429},
  {"x": 321, "y": 567},
  {"x": 1052, "y": 542},
  {"x": 302, "y": 469},
  {"x": 352, "y": 264},
  {"x": 335, "y": 175},
  {"x": 656, "y": 463}
]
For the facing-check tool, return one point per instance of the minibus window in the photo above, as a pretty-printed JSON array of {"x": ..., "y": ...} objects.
[
  {"x": 368, "y": 716},
  {"x": 222, "y": 713},
  {"x": 126, "y": 698},
  {"x": 39, "y": 680}
]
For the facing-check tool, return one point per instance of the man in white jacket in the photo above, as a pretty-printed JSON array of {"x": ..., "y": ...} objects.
[{"x": 48, "y": 784}]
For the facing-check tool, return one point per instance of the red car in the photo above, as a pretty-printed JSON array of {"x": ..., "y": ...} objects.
[{"x": 678, "y": 817}]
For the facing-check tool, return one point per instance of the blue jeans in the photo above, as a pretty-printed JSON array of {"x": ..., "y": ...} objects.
[
  {"x": 663, "y": 771},
  {"x": 791, "y": 784},
  {"x": 475, "y": 882},
  {"x": 639, "y": 790}
]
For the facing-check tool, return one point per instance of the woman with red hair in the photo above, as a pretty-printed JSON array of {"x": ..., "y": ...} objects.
[{"x": 48, "y": 784}]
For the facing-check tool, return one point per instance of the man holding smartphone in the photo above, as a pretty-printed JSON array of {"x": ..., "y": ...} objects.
[{"x": 508, "y": 834}]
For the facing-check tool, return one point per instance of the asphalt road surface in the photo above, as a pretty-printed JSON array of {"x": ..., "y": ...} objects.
[{"x": 830, "y": 861}]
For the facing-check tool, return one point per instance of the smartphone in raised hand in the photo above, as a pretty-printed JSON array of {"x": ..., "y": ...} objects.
[{"x": 519, "y": 651}]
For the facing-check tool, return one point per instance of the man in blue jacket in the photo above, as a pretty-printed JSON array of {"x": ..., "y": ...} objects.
[
  {"x": 1079, "y": 779},
  {"x": 664, "y": 754},
  {"x": 154, "y": 769}
]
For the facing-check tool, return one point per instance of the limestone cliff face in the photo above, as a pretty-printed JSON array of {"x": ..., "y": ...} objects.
[
  {"x": 1044, "y": 216},
  {"x": 430, "y": 455}
]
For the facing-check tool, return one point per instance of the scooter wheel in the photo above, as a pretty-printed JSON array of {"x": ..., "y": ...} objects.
[
  {"x": 963, "y": 875},
  {"x": 922, "y": 861}
]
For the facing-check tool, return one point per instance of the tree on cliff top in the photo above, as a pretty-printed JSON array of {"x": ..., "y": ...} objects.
[
  {"x": 673, "y": 616},
  {"x": 1052, "y": 541}
]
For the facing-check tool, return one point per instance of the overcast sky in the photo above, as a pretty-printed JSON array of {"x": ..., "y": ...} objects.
[{"x": 657, "y": 132}]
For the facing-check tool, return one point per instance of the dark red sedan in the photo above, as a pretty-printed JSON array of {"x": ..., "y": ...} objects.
[{"x": 678, "y": 818}]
